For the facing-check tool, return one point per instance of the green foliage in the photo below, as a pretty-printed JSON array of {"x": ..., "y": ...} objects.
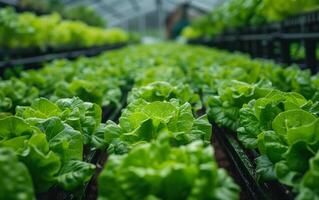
[
  {"x": 224, "y": 107},
  {"x": 75, "y": 12},
  {"x": 144, "y": 121},
  {"x": 84, "y": 14},
  {"x": 82, "y": 116},
  {"x": 49, "y": 149},
  {"x": 240, "y": 13},
  {"x": 163, "y": 91},
  {"x": 28, "y": 30},
  {"x": 159, "y": 171},
  {"x": 16, "y": 182},
  {"x": 284, "y": 127},
  {"x": 278, "y": 10},
  {"x": 262, "y": 115},
  {"x": 271, "y": 108}
]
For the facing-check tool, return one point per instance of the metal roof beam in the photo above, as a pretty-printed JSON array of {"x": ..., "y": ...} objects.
[
  {"x": 202, "y": 7},
  {"x": 135, "y": 5},
  {"x": 102, "y": 6},
  {"x": 10, "y": 2},
  {"x": 70, "y": 2},
  {"x": 124, "y": 19}
]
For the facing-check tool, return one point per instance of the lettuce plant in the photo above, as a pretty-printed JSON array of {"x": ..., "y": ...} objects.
[
  {"x": 258, "y": 115},
  {"x": 51, "y": 150},
  {"x": 158, "y": 171},
  {"x": 23, "y": 30},
  {"x": 284, "y": 129},
  {"x": 164, "y": 91},
  {"x": 224, "y": 107},
  {"x": 144, "y": 121},
  {"x": 15, "y": 92},
  {"x": 82, "y": 116},
  {"x": 16, "y": 182}
]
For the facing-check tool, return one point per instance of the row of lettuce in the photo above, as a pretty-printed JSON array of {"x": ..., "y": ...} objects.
[
  {"x": 241, "y": 13},
  {"x": 26, "y": 30},
  {"x": 79, "y": 12},
  {"x": 283, "y": 126},
  {"x": 160, "y": 141}
]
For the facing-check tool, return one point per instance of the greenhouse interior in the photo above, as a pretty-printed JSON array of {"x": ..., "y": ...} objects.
[{"x": 159, "y": 100}]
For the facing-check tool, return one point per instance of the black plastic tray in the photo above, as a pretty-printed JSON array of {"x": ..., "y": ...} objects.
[
  {"x": 35, "y": 62},
  {"x": 242, "y": 161},
  {"x": 273, "y": 40}
]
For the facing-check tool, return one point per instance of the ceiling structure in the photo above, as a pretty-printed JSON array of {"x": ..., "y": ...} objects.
[{"x": 119, "y": 11}]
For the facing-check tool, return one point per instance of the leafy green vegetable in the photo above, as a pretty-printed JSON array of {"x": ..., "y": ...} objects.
[
  {"x": 21, "y": 30},
  {"x": 284, "y": 127},
  {"x": 309, "y": 189},
  {"x": 258, "y": 115},
  {"x": 16, "y": 182},
  {"x": 82, "y": 116},
  {"x": 224, "y": 107},
  {"x": 240, "y": 13},
  {"x": 164, "y": 172},
  {"x": 49, "y": 149},
  {"x": 274, "y": 109},
  {"x": 74, "y": 174},
  {"x": 15, "y": 92},
  {"x": 144, "y": 121},
  {"x": 43, "y": 164},
  {"x": 160, "y": 91}
]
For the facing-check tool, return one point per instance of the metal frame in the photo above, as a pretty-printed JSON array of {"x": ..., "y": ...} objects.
[
  {"x": 35, "y": 61},
  {"x": 119, "y": 12},
  {"x": 263, "y": 41},
  {"x": 125, "y": 13}
]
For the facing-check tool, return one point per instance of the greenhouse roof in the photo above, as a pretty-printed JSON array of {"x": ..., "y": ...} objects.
[{"x": 118, "y": 12}]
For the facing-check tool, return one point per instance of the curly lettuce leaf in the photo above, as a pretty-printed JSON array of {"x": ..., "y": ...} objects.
[
  {"x": 49, "y": 149},
  {"x": 43, "y": 164},
  {"x": 15, "y": 92},
  {"x": 164, "y": 91},
  {"x": 232, "y": 95},
  {"x": 16, "y": 182},
  {"x": 309, "y": 186},
  {"x": 75, "y": 173},
  {"x": 291, "y": 119},
  {"x": 165, "y": 172},
  {"x": 296, "y": 162},
  {"x": 259, "y": 115},
  {"x": 143, "y": 122},
  {"x": 273, "y": 145},
  {"x": 82, "y": 116},
  {"x": 265, "y": 169},
  {"x": 62, "y": 139},
  {"x": 14, "y": 132}
]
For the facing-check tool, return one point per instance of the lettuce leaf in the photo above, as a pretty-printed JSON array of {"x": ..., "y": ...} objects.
[
  {"x": 265, "y": 114},
  {"x": 145, "y": 121},
  {"x": 74, "y": 174},
  {"x": 224, "y": 107},
  {"x": 165, "y": 172},
  {"x": 164, "y": 91},
  {"x": 51, "y": 150},
  {"x": 16, "y": 182},
  {"x": 82, "y": 116}
]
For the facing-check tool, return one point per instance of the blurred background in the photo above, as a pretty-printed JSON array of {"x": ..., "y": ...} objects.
[
  {"x": 283, "y": 30},
  {"x": 159, "y": 18}
]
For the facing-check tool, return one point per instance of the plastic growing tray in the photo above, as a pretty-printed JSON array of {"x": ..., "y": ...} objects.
[{"x": 243, "y": 164}]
